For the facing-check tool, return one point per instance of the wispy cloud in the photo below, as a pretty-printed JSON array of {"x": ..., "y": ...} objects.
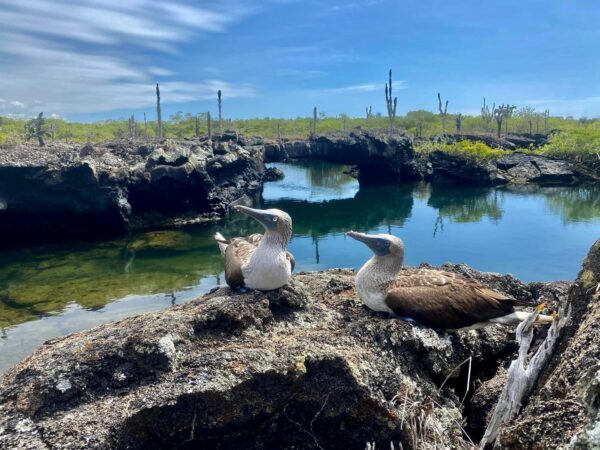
[
  {"x": 357, "y": 88},
  {"x": 355, "y": 4},
  {"x": 69, "y": 56}
]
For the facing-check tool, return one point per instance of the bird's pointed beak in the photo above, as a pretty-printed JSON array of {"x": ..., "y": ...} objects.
[
  {"x": 378, "y": 245},
  {"x": 362, "y": 237},
  {"x": 260, "y": 215}
]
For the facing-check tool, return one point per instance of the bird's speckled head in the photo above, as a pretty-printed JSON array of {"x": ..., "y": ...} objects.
[
  {"x": 380, "y": 244},
  {"x": 274, "y": 220}
]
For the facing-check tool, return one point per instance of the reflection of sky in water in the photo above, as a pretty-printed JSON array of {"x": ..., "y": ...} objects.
[
  {"x": 533, "y": 233},
  {"x": 312, "y": 182}
]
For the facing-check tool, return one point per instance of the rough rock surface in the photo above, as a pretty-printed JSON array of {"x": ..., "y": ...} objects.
[
  {"x": 376, "y": 153},
  {"x": 510, "y": 142},
  {"x": 564, "y": 411},
  {"x": 379, "y": 157},
  {"x": 78, "y": 190},
  {"x": 306, "y": 367},
  {"x": 517, "y": 168},
  {"x": 273, "y": 174}
]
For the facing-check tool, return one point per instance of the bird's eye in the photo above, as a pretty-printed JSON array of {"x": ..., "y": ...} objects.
[{"x": 274, "y": 218}]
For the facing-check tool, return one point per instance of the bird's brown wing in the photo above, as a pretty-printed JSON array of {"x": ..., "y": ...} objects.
[
  {"x": 291, "y": 259},
  {"x": 445, "y": 300},
  {"x": 238, "y": 253}
]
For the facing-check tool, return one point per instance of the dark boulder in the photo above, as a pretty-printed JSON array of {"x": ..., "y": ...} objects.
[
  {"x": 273, "y": 174},
  {"x": 64, "y": 191}
]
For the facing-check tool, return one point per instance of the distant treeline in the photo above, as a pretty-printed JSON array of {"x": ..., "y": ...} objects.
[{"x": 180, "y": 125}]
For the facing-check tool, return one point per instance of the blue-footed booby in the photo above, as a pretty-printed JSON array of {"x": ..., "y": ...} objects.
[
  {"x": 259, "y": 261},
  {"x": 434, "y": 298}
]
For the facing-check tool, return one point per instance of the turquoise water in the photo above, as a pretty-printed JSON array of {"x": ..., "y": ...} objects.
[{"x": 535, "y": 233}]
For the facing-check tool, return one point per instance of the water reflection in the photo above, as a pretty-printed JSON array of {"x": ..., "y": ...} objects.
[
  {"x": 537, "y": 233},
  {"x": 370, "y": 207},
  {"x": 312, "y": 181},
  {"x": 466, "y": 204},
  {"x": 573, "y": 204}
]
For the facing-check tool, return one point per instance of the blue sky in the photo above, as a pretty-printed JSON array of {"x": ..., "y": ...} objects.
[{"x": 99, "y": 59}]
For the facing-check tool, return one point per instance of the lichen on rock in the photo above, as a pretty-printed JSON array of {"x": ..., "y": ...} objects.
[{"x": 305, "y": 366}]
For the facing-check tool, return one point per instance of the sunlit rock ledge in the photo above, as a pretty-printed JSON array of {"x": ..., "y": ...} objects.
[{"x": 306, "y": 366}]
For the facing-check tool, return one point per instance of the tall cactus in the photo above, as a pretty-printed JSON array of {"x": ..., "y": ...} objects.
[
  {"x": 36, "y": 128},
  {"x": 443, "y": 112},
  {"x": 508, "y": 112},
  {"x": 546, "y": 117},
  {"x": 487, "y": 114},
  {"x": 313, "y": 125},
  {"x": 501, "y": 113},
  {"x": 220, "y": 117},
  {"x": 209, "y": 124},
  {"x": 369, "y": 111},
  {"x": 158, "y": 114},
  {"x": 458, "y": 119},
  {"x": 132, "y": 127},
  {"x": 145, "y": 127},
  {"x": 279, "y": 134},
  {"x": 391, "y": 105},
  {"x": 498, "y": 114}
]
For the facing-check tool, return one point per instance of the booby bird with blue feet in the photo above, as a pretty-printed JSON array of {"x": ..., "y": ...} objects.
[
  {"x": 433, "y": 298},
  {"x": 259, "y": 261}
]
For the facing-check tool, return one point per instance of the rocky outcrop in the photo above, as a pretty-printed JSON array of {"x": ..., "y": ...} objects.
[
  {"x": 510, "y": 142},
  {"x": 564, "y": 411},
  {"x": 306, "y": 366},
  {"x": 74, "y": 190},
  {"x": 516, "y": 168},
  {"x": 379, "y": 157},
  {"x": 377, "y": 154}
]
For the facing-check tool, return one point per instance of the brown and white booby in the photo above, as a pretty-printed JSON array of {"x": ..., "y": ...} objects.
[
  {"x": 434, "y": 298},
  {"x": 258, "y": 261}
]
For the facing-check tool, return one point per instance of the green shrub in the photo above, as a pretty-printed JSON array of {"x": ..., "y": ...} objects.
[
  {"x": 579, "y": 144},
  {"x": 472, "y": 151}
]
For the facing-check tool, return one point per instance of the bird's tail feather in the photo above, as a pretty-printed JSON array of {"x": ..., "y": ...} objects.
[
  {"x": 222, "y": 242},
  {"x": 519, "y": 316},
  {"x": 543, "y": 319}
]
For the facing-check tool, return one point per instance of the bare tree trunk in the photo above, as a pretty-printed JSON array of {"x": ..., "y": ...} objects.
[{"x": 523, "y": 373}]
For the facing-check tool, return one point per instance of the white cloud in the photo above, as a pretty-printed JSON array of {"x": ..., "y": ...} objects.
[
  {"x": 357, "y": 88},
  {"x": 82, "y": 56}
]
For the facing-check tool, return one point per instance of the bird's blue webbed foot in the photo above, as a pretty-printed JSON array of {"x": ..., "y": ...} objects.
[
  {"x": 409, "y": 320},
  {"x": 245, "y": 290}
]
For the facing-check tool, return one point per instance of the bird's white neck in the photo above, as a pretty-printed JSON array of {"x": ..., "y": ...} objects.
[
  {"x": 379, "y": 271},
  {"x": 273, "y": 240}
]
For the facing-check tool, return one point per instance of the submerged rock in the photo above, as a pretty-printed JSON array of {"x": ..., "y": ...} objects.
[
  {"x": 273, "y": 174},
  {"x": 68, "y": 190},
  {"x": 306, "y": 366}
]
